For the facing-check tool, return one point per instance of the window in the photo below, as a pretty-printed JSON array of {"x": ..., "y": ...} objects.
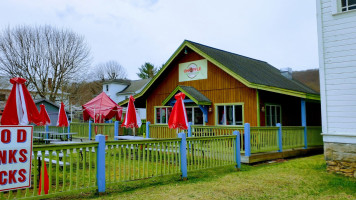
[
  {"x": 347, "y": 5},
  {"x": 230, "y": 115},
  {"x": 195, "y": 115},
  {"x": 273, "y": 115},
  {"x": 162, "y": 114},
  {"x": 2, "y": 97},
  {"x": 107, "y": 87}
]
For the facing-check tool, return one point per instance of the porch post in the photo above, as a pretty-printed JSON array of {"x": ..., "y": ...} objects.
[
  {"x": 116, "y": 129},
  {"x": 247, "y": 139},
  {"x": 148, "y": 129},
  {"x": 47, "y": 131},
  {"x": 90, "y": 129},
  {"x": 304, "y": 122},
  {"x": 190, "y": 129},
  {"x": 279, "y": 137}
]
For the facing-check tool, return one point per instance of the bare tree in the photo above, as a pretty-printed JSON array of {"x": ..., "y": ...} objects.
[
  {"x": 110, "y": 70},
  {"x": 43, "y": 53}
]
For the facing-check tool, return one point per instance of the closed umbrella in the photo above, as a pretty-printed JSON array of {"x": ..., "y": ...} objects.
[
  {"x": 178, "y": 118},
  {"x": 20, "y": 108},
  {"x": 62, "y": 117},
  {"x": 130, "y": 120},
  {"x": 44, "y": 118}
]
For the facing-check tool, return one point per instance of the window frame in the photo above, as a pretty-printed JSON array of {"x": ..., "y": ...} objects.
[
  {"x": 280, "y": 114},
  {"x": 155, "y": 114},
  {"x": 193, "y": 114},
  {"x": 216, "y": 105},
  {"x": 336, "y": 7},
  {"x": 346, "y": 6}
]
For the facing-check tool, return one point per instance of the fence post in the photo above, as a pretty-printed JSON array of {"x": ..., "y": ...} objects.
[
  {"x": 68, "y": 130},
  {"x": 47, "y": 130},
  {"x": 116, "y": 129},
  {"x": 237, "y": 149},
  {"x": 247, "y": 139},
  {"x": 190, "y": 129},
  {"x": 183, "y": 155},
  {"x": 148, "y": 129},
  {"x": 90, "y": 129},
  {"x": 304, "y": 122},
  {"x": 279, "y": 137},
  {"x": 100, "y": 159}
]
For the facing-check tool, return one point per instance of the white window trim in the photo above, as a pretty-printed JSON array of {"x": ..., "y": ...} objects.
[
  {"x": 233, "y": 116},
  {"x": 337, "y": 9},
  {"x": 193, "y": 114},
  {"x": 280, "y": 113},
  {"x": 155, "y": 114}
]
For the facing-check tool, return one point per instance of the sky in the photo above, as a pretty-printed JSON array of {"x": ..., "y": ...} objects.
[{"x": 132, "y": 32}]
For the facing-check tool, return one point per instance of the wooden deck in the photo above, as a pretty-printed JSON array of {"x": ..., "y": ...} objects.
[{"x": 260, "y": 157}]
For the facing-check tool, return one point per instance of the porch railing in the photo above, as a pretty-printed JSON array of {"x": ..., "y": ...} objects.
[
  {"x": 261, "y": 139},
  {"x": 314, "y": 136},
  {"x": 292, "y": 137},
  {"x": 264, "y": 139}
]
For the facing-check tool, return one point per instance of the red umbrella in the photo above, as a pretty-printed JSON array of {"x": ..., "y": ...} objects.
[
  {"x": 62, "y": 117},
  {"x": 43, "y": 180},
  {"x": 44, "y": 118},
  {"x": 178, "y": 117},
  {"x": 20, "y": 108},
  {"x": 130, "y": 120}
]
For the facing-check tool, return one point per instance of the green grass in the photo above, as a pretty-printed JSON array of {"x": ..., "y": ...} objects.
[{"x": 302, "y": 178}]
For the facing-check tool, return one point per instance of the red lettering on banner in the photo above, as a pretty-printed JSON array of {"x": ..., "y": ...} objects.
[
  {"x": 23, "y": 157},
  {"x": 21, "y": 136},
  {"x": 3, "y": 181},
  {"x": 3, "y": 157},
  {"x": 5, "y": 136},
  {"x": 12, "y": 174},
  {"x": 22, "y": 177},
  {"x": 12, "y": 156}
]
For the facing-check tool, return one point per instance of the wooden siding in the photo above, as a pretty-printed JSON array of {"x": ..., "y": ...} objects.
[
  {"x": 219, "y": 88},
  {"x": 337, "y": 46}
]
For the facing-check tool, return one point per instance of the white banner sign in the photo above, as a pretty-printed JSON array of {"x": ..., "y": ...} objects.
[
  {"x": 195, "y": 70},
  {"x": 15, "y": 157}
]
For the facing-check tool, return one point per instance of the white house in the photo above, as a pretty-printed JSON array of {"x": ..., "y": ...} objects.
[
  {"x": 337, "y": 58},
  {"x": 121, "y": 89}
]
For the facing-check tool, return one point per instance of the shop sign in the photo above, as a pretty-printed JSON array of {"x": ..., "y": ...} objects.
[
  {"x": 195, "y": 70},
  {"x": 15, "y": 157}
]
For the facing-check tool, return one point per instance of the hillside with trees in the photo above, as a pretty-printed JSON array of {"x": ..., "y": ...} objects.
[{"x": 309, "y": 78}]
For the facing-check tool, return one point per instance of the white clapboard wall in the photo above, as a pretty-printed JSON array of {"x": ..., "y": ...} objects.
[{"x": 337, "y": 56}]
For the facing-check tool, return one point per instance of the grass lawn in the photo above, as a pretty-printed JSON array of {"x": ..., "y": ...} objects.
[{"x": 301, "y": 178}]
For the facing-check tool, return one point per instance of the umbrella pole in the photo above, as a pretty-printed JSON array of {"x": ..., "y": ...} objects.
[{"x": 134, "y": 131}]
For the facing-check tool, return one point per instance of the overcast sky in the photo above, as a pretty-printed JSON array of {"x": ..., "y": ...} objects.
[{"x": 132, "y": 32}]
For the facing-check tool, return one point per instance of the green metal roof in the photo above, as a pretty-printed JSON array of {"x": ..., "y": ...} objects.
[
  {"x": 252, "y": 70},
  {"x": 191, "y": 93}
]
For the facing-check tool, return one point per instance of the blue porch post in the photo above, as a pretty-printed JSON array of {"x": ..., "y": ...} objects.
[
  {"x": 183, "y": 155},
  {"x": 47, "y": 130},
  {"x": 247, "y": 139},
  {"x": 237, "y": 149},
  {"x": 116, "y": 129},
  {"x": 68, "y": 130},
  {"x": 190, "y": 129},
  {"x": 279, "y": 137},
  {"x": 90, "y": 129},
  {"x": 148, "y": 129},
  {"x": 304, "y": 122},
  {"x": 100, "y": 157}
]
